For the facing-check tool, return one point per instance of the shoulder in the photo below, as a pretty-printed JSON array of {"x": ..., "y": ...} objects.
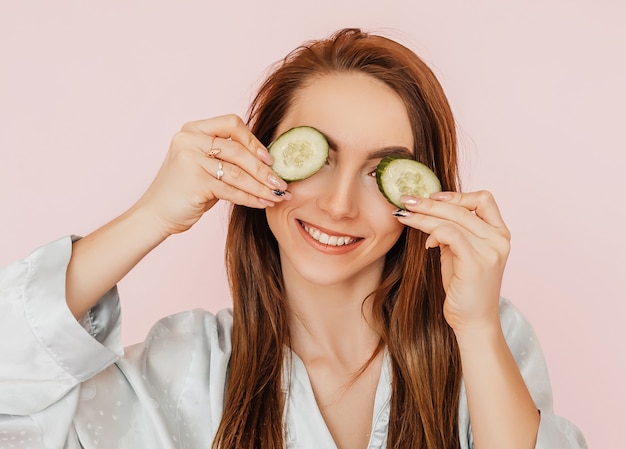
[
  {"x": 517, "y": 330},
  {"x": 196, "y": 326},
  {"x": 526, "y": 349},
  {"x": 185, "y": 344},
  {"x": 185, "y": 333},
  {"x": 173, "y": 380}
]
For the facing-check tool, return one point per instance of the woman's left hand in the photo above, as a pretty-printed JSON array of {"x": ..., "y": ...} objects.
[{"x": 474, "y": 243}]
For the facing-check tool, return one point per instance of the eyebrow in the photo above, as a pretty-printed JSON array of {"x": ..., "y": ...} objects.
[{"x": 394, "y": 150}]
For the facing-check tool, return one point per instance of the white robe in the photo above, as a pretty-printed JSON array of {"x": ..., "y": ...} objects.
[{"x": 69, "y": 384}]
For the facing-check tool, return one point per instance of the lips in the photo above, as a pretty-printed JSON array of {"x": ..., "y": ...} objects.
[{"x": 327, "y": 239}]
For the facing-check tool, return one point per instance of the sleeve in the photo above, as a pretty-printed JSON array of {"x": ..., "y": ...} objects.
[
  {"x": 45, "y": 352},
  {"x": 555, "y": 432}
]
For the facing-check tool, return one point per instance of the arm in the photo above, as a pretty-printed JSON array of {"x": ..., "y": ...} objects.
[
  {"x": 501, "y": 409},
  {"x": 474, "y": 244},
  {"x": 56, "y": 375},
  {"x": 46, "y": 353},
  {"x": 104, "y": 257},
  {"x": 41, "y": 297},
  {"x": 554, "y": 432},
  {"x": 185, "y": 187}
]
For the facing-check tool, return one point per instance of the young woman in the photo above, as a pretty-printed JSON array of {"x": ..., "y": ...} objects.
[{"x": 354, "y": 325}]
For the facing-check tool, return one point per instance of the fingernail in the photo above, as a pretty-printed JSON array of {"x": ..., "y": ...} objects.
[
  {"x": 441, "y": 196},
  {"x": 265, "y": 156},
  {"x": 279, "y": 183},
  {"x": 285, "y": 194},
  {"x": 410, "y": 200},
  {"x": 401, "y": 213},
  {"x": 266, "y": 202}
]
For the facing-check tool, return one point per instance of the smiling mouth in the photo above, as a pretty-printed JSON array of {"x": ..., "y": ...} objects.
[{"x": 330, "y": 240}]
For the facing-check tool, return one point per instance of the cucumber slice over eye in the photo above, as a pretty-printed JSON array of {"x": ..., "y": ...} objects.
[
  {"x": 397, "y": 176},
  {"x": 299, "y": 153}
]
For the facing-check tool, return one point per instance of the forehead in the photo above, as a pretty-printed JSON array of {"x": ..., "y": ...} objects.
[{"x": 354, "y": 109}]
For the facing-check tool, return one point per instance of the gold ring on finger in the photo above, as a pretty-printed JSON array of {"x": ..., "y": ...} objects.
[{"x": 213, "y": 152}]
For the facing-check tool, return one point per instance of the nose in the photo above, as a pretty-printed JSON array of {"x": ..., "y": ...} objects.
[{"x": 339, "y": 198}]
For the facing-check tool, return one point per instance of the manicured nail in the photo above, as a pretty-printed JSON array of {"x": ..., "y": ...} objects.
[
  {"x": 277, "y": 182},
  {"x": 410, "y": 200},
  {"x": 265, "y": 156},
  {"x": 284, "y": 194},
  {"x": 441, "y": 196},
  {"x": 266, "y": 202},
  {"x": 401, "y": 213}
]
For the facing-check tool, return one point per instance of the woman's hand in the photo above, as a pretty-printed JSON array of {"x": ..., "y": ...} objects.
[
  {"x": 474, "y": 243},
  {"x": 188, "y": 184}
]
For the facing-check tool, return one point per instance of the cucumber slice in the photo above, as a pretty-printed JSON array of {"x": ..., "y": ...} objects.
[
  {"x": 397, "y": 176},
  {"x": 299, "y": 153}
]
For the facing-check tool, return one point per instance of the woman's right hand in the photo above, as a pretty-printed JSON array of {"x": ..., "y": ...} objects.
[
  {"x": 185, "y": 187},
  {"x": 187, "y": 184}
]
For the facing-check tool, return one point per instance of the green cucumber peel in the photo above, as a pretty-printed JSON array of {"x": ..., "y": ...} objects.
[{"x": 397, "y": 176}]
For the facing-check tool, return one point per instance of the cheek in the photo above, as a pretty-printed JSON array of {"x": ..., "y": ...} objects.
[
  {"x": 313, "y": 186},
  {"x": 303, "y": 194},
  {"x": 379, "y": 213},
  {"x": 377, "y": 205},
  {"x": 273, "y": 214},
  {"x": 391, "y": 228}
]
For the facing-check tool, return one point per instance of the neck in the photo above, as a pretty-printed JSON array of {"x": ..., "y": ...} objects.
[{"x": 333, "y": 321}]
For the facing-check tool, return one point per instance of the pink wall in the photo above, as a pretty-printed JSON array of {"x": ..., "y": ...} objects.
[{"x": 91, "y": 93}]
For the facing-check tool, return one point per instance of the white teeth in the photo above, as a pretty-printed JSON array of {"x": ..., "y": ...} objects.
[{"x": 327, "y": 239}]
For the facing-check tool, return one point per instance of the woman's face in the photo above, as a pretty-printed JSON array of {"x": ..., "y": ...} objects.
[{"x": 338, "y": 227}]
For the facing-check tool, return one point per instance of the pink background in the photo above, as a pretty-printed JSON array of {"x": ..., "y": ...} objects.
[{"x": 91, "y": 93}]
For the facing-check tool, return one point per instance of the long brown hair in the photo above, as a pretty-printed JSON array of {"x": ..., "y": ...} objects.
[{"x": 409, "y": 302}]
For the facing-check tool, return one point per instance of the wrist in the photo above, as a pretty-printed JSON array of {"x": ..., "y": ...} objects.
[
  {"x": 145, "y": 224},
  {"x": 479, "y": 336}
]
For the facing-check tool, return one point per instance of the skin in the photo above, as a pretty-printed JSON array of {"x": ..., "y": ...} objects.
[{"x": 331, "y": 325}]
